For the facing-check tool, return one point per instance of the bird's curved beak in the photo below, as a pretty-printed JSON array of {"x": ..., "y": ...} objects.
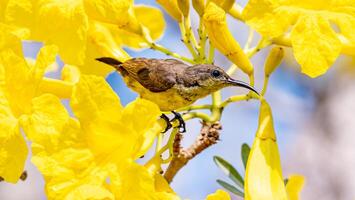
[{"x": 237, "y": 83}]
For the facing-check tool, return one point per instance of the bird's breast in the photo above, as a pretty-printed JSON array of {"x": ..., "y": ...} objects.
[{"x": 171, "y": 99}]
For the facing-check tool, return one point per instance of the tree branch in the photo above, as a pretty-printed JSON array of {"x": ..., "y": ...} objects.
[{"x": 208, "y": 136}]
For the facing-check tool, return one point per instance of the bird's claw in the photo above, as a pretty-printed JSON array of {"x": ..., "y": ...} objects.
[
  {"x": 177, "y": 116},
  {"x": 168, "y": 123}
]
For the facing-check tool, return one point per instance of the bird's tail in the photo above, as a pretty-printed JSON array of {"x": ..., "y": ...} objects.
[{"x": 110, "y": 61}]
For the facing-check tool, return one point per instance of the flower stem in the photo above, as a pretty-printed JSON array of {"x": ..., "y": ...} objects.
[
  {"x": 193, "y": 115},
  {"x": 266, "y": 81},
  {"x": 250, "y": 39},
  {"x": 195, "y": 107},
  {"x": 186, "y": 38},
  {"x": 211, "y": 54},
  {"x": 165, "y": 50},
  {"x": 203, "y": 39},
  {"x": 159, "y": 141}
]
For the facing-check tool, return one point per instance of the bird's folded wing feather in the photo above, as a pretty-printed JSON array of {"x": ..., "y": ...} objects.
[{"x": 153, "y": 74}]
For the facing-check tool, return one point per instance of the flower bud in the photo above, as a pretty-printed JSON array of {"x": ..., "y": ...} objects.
[
  {"x": 216, "y": 25},
  {"x": 199, "y": 6},
  {"x": 172, "y": 8},
  {"x": 264, "y": 161},
  {"x": 225, "y": 4},
  {"x": 184, "y": 6},
  {"x": 273, "y": 60}
]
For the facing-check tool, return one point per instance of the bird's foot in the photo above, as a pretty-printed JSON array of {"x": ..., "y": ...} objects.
[
  {"x": 168, "y": 123},
  {"x": 177, "y": 116}
]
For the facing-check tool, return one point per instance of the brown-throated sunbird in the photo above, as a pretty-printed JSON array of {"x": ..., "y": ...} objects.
[{"x": 171, "y": 84}]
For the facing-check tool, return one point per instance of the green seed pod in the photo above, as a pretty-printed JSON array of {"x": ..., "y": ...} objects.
[{"x": 274, "y": 59}]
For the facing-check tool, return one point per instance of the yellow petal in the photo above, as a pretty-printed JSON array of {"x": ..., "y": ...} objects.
[
  {"x": 3, "y": 5},
  {"x": 70, "y": 73},
  {"x": 221, "y": 38},
  {"x": 62, "y": 15},
  {"x": 135, "y": 182},
  {"x": 101, "y": 43},
  {"x": 294, "y": 186},
  {"x": 19, "y": 13},
  {"x": 27, "y": 79},
  {"x": 99, "y": 111},
  {"x": 172, "y": 8},
  {"x": 315, "y": 45},
  {"x": 13, "y": 148},
  {"x": 141, "y": 117},
  {"x": 161, "y": 185},
  {"x": 109, "y": 11},
  {"x": 61, "y": 154},
  {"x": 45, "y": 58},
  {"x": 48, "y": 128},
  {"x": 60, "y": 22},
  {"x": 89, "y": 192},
  {"x": 273, "y": 60},
  {"x": 151, "y": 18},
  {"x": 93, "y": 99},
  {"x": 111, "y": 128},
  {"x": 263, "y": 179},
  {"x": 9, "y": 40},
  {"x": 218, "y": 195},
  {"x": 263, "y": 17}
]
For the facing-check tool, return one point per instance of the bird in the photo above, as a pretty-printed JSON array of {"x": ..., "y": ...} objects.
[{"x": 171, "y": 84}]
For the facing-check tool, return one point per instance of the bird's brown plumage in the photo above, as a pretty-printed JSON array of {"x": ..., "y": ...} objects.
[{"x": 154, "y": 74}]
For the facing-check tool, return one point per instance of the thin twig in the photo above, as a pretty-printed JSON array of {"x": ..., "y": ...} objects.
[{"x": 208, "y": 136}]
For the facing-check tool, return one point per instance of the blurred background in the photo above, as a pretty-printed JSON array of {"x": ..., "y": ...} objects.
[{"x": 314, "y": 122}]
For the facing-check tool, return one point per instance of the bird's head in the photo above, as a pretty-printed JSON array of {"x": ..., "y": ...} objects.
[{"x": 212, "y": 78}]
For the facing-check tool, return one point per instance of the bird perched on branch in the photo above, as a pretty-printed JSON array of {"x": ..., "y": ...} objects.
[{"x": 170, "y": 83}]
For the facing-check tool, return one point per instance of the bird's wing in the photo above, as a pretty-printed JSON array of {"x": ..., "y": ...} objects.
[{"x": 154, "y": 74}]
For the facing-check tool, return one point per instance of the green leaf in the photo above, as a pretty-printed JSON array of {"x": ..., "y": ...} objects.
[
  {"x": 231, "y": 188},
  {"x": 245, "y": 154},
  {"x": 229, "y": 170}
]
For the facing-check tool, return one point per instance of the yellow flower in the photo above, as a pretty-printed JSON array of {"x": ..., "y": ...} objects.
[
  {"x": 221, "y": 38},
  {"x": 263, "y": 176},
  {"x": 92, "y": 157},
  {"x": 225, "y": 4},
  {"x": 273, "y": 60},
  {"x": 78, "y": 27},
  {"x": 18, "y": 85},
  {"x": 199, "y": 6},
  {"x": 218, "y": 195},
  {"x": 316, "y": 45},
  {"x": 294, "y": 186},
  {"x": 172, "y": 8}
]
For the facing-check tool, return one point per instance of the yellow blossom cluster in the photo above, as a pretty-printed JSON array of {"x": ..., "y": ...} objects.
[
  {"x": 91, "y": 154},
  {"x": 309, "y": 27}
]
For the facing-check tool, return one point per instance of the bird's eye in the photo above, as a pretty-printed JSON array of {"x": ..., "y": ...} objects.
[{"x": 216, "y": 73}]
